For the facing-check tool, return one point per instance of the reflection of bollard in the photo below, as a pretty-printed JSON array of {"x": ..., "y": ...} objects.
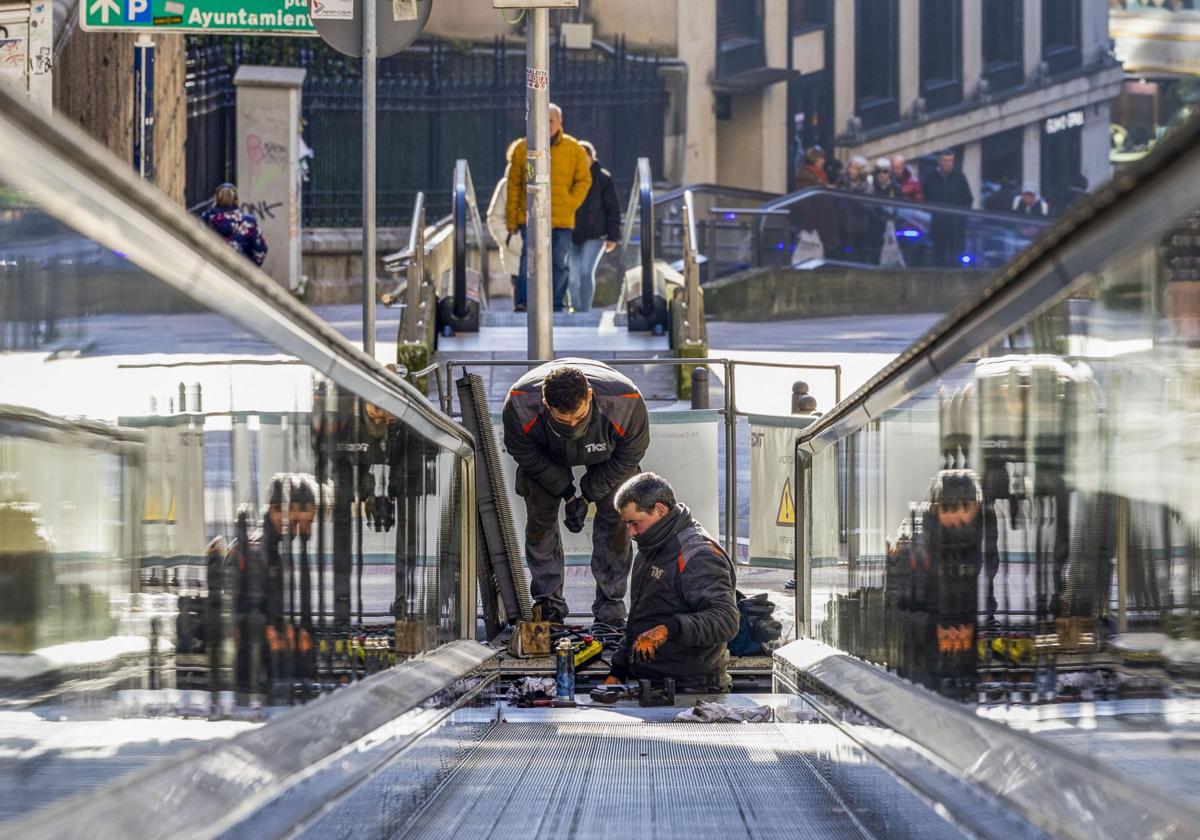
[
  {"x": 182, "y": 398},
  {"x": 194, "y": 399},
  {"x": 700, "y": 388},
  {"x": 802, "y": 401}
]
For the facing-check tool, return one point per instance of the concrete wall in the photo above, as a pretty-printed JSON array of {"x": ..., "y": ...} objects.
[
  {"x": 646, "y": 24},
  {"x": 470, "y": 20},
  {"x": 698, "y": 48},
  {"x": 772, "y": 293},
  {"x": 105, "y": 110},
  {"x": 740, "y": 144},
  {"x": 774, "y": 111},
  {"x": 844, "y": 69}
]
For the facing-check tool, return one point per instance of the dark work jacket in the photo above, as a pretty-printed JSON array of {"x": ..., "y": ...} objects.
[
  {"x": 618, "y": 432},
  {"x": 949, "y": 188},
  {"x": 685, "y": 581},
  {"x": 599, "y": 217}
]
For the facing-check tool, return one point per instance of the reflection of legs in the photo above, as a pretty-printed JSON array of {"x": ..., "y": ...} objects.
[
  {"x": 560, "y": 259},
  {"x": 589, "y": 259},
  {"x": 612, "y": 556},
  {"x": 544, "y": 550},
  {"x": 522, "y": 271},
  {"x": 576, "y": 274}
]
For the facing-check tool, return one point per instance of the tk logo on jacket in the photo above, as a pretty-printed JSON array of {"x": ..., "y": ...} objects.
[
  {"x": 596, "y": 447},
  {"x": 656, "y": 572}
]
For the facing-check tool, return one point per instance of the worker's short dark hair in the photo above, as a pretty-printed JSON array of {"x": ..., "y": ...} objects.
[
  {"x": 645, "y": 490},
  {"x": 565, "y": 388}
]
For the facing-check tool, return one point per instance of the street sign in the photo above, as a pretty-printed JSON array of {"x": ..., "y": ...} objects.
[
  {"x": 280, "y": 17},
  {"x": 340, "y": 24}
]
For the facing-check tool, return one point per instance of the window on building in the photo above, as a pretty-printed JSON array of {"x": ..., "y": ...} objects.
[
  {"x": 876, "y": 73},
  {"x": 809, "y": 14},
  {"x": 1001, "y": 168},
  {"x": 740, "y": 44},
  {"x": 941, "y": 53},
  {"x": 1003, "y": 44},
  {"x": 1060, "y": 35}
]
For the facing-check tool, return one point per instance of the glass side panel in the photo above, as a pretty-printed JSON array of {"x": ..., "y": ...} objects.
[
  {"x": 182, "y": 506},
  {"x": 1026, "y": 532}
]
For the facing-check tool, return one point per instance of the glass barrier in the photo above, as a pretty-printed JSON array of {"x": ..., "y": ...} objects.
[
  {"x": 1027, "y": 530},
  {"x": 822, "y": 226},
  {"x": 183, "y": 505}
]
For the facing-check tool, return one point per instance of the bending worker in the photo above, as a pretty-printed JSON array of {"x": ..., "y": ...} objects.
[
  {"x": 683, "y": 608},
  {"x": 563, "y": 414}
]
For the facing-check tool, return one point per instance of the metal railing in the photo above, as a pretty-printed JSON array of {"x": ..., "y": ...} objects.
[
  {"x": 641, "y": 207},
  {"x": 692, "y": 302},
  {"x": 466, "y": 213},
  {"x": 413, "y": 319},
  {"x": 729, "y": 412}
]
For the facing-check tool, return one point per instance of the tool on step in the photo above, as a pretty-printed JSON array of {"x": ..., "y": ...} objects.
[
  {"x": 643, "y": 691},
  {"x": 588, "y": 651}
]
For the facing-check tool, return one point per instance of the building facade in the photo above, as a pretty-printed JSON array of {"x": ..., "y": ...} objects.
[{"x": 1019, "y": 88}]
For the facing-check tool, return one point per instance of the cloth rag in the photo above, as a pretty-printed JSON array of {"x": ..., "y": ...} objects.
[{"x": 706, "y": 711}]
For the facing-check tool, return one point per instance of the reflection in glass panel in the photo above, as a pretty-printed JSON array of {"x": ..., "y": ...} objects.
[
  {"x": 1027, "y": 530},
  {"x": 182, "y": 506}
]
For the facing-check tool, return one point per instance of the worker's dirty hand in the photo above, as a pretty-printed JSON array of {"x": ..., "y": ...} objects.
[
  {"x": 648, "y": 643},
  {"x": 575, "y": 514},
  {"x": 611, "y": 680}
]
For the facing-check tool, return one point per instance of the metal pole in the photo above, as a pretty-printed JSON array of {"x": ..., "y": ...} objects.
[
  {"x": 730, "y": 465},
  {"x": 537, "y": 127},
  {"x": 370, "y": 51},
  {"x": 414, "y": 303}
]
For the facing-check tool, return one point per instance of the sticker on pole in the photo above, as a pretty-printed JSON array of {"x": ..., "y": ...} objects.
[
  {"x": 332, "y": 10},
  {"x": 404, "y": 10},
  {"x": 537, "y": 79}
]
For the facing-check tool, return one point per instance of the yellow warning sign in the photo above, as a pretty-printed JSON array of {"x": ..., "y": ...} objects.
[{"x": 787, "y": 507}]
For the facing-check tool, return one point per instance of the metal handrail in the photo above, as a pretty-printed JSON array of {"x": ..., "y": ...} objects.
[
  {"x": 691, "y": 271},
  {"x": 729, "y": 412},
  {"x": 82, "y": 185},
  {"x": 411, "y": 321},
  {"x": 641, "y": 204},
  {"x": 466, "y": 212},
  {"x": 792, "y": 199}
]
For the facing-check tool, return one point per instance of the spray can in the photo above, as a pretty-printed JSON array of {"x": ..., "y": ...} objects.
[{"x": 564, "y": 670}]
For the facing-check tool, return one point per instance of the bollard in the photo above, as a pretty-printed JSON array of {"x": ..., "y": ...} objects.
[
  {"x": 182, "y": 398},
  {"x": 700, "y": 388},
  {"x": 802, "y": 401}
]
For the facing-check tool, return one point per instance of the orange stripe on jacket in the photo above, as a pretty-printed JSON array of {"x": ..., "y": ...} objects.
[
  {"x": 529, "y": 425},
  {"x": 682, "y": 561},
  {"x": 620, "y": 431},
  {"x": 633, "y": 396}
]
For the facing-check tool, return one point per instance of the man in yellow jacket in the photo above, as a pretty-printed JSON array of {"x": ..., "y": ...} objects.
[{"x": 570, "y": 180}]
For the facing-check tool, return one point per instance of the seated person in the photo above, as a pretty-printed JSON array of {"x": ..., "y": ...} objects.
[{"x": 683, "y": 610}]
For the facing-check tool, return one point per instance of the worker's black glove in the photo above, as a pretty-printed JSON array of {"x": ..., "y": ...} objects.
[{"x": 575, "y": 514}]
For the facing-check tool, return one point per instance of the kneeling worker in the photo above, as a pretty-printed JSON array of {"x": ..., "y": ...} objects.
[
  {"x": 683, "y": 610},
  {"x": 567, "y": 413}
]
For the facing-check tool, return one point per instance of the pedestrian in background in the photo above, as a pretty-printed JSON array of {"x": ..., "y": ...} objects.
[
  {"x": 597, "y": 232},
  {"x": 906, "y": 179},
  {"x": 947, "y": 185},
  {"x": 510, "y": 244},
  {"x": 853, "y": 217},
  {"x": 812, "y": 174},
  {"x": 570, "y": 180},
  {"x": 237, "y": 228},
  {"x": 1029, "y": 203},
  {"x": 882, "y": 182}
]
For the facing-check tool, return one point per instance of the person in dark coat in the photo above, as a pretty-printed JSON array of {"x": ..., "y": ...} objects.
[
  {"x": 947, "y": 185},
  {"x": 683, "y": 605},
  {"x": 237, "y": 228},
  {"x": 597, "y": 232},
  {"x": 563, "y": 414}
]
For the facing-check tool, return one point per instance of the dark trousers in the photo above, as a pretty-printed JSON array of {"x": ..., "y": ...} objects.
[
  {"x": 560, "y": 266},
  {"x": 612, "y": 555}
]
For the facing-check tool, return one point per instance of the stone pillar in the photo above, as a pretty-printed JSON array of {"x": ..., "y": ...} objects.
[
  {"x": 1095, "y": 147},
  {"x": 909, "y": 58},
  {"x": 1032, "y": 14},
  {"x": 698, "y": 48},
  {"x": 1031, "y": 154},
  {"x": 268, "y": 162},
  {"x": 775, "y": 100},
  {"x": 843, "y": 69},
  {"x": 972, "y": 46}
]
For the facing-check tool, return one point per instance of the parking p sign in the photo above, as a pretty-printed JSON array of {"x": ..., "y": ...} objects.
[{"x": 281, "y": 17}]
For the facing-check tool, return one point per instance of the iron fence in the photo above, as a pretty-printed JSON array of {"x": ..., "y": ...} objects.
[{"x": 438, "y": 102}]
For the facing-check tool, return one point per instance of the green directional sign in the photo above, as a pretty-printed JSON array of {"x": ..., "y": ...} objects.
[{"x": 281, "y": 17}]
